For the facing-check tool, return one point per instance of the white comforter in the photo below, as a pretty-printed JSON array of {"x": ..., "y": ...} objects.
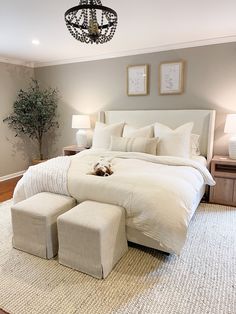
[{"x": 157, "y": 192}]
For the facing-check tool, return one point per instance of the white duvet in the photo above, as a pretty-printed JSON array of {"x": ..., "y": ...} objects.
[{"x": 157, "y": 192}]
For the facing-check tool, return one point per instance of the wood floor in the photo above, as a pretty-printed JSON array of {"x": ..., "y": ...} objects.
[{"x": 6, "y": 189}]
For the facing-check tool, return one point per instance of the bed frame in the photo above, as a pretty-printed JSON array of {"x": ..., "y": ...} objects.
[
  {"x": 204, "y": 125},
  {"x": 204, "y": 122}
]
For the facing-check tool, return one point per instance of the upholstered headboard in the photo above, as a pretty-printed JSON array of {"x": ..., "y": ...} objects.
[{"x": 204, "y": 122}]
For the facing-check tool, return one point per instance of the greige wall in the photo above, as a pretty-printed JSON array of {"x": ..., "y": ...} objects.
[
  {"x": 92, "y": 86},
  {"x": 15, "y": 152},
  {"x": 89, "y": 87}
]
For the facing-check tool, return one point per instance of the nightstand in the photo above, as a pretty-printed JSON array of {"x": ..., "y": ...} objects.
[
  {"x": 223, "y": 170},
  {"x": 72, "y": 150}
]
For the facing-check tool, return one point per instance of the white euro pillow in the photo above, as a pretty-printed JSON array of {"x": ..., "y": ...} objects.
[
  {"x": 134, "y": 144},
  {"x": 173, "y": 142},
  {"x": 103, "y": 132},
  {"x": 130, "y": 131}
]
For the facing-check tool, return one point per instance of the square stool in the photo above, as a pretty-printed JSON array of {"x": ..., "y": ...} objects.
[
  {"x": 34, "y": 223},
  {"x": 92, "y": 238}
]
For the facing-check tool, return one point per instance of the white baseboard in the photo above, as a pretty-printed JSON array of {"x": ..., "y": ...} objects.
[{"x": 12, "y": 175}]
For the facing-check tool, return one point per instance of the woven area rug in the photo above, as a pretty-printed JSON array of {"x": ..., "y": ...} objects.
[{"x": 202, "y": 280}]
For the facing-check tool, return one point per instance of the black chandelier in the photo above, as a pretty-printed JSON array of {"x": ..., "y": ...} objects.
[{"x": 91, "y": 22}]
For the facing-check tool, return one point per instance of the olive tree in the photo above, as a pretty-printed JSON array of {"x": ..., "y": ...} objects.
[{"x": 34, "y": 113}]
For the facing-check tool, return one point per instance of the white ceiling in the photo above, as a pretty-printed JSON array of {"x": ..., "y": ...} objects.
[{"x": 143, "y": 26}]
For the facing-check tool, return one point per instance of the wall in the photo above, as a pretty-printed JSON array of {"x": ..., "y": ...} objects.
[
  {"x": 14, "y": 152},
  {"x": 92, "y": 86},
  {"x": 97, "y": 85}
]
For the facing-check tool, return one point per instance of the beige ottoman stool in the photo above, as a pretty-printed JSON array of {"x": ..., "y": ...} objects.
[
  {"x": 34, "y": 223},
  {"x": 92, "y": 238}
]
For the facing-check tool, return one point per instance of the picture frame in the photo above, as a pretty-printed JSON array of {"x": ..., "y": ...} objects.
[
  {"x": 138, "y": 80},
  {"x": 171, "y": 78}
]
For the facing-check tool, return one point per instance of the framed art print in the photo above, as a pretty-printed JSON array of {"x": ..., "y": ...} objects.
[
  {"x": 137, "y": 80},
  {"x": 171, "y": 80}
]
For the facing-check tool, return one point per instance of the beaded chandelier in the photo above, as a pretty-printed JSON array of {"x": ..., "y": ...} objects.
[{"x": 91, "y": 22}]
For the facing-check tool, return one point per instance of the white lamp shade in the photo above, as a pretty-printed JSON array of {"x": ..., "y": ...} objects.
[
  {"x": 230, "y": 124},
  {"x": 81, "y": 121}
]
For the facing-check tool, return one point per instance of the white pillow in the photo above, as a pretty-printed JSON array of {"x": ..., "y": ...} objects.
[
  {"x": 173, "y": 142},
  {"x": 103, "y": 132},
  {"x": 134, "y": 144},
  {"x": 130, "y": 131},
  {"x": 195, "y": 145}
]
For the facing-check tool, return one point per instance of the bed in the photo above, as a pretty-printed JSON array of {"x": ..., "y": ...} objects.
[
  {"x": 204, "y": 125},
  {"x": 151, "y": 220}
]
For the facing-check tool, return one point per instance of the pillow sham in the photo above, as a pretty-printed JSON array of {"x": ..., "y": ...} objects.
[
  {"x": 103, "y": 132},
  {"x": 195, "y": 145},
  {"x": 134, "y": 144},
  {"x": 173, "y": 142},
  {"x": 130, "y": 131}
]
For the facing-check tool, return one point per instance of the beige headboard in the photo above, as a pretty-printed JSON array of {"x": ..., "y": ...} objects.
[{"x": 204, "y": 122}]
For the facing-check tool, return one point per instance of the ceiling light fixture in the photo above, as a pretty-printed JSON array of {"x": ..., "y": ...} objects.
[
  {"x": 91, "y": 22},
  {"x": 35, "y": 42}
]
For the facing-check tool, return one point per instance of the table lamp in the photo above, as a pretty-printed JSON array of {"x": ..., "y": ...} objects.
[
  {"x": 81, "y": 122},
  {"x": 230, "y": 127}
]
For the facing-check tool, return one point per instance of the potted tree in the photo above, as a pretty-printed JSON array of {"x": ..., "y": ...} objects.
[{"x": 34, "y": 114}]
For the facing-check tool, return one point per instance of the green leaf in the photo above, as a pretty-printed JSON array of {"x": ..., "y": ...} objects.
[{"x": 34, "y": 112}]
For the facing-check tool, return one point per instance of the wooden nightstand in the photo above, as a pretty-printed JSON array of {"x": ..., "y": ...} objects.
[
  {"x": 223, "y": 170},
  {"x": 72, "y": 150}
]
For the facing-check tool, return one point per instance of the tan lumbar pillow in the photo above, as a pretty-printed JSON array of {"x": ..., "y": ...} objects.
[{"x": 137, "y": 144}]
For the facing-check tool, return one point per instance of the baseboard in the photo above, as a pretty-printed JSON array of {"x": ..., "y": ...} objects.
[{"x": 12, "y": 176}]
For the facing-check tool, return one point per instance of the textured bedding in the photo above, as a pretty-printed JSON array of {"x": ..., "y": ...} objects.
[{"x": 157, "y": 192}]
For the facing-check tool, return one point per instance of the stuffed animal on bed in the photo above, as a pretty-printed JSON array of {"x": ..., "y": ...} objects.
[{"x": 102, "y": 168}]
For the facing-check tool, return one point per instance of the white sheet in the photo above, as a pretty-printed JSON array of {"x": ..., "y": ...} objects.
[{"x": 156, "y": 191}]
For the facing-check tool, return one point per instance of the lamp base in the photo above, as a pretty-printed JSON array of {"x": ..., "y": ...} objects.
[
  {"x": 81, "y": 138},
  {"x": 232, "y": 147}
]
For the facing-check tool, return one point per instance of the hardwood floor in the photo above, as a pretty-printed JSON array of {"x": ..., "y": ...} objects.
[{"x": 6, "y": 189}]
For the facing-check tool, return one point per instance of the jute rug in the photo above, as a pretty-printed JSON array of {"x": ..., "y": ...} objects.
[{"x": 202, "y": 280}]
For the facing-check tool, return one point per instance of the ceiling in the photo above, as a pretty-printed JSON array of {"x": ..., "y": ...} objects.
[{"x": 143, "y": 26}]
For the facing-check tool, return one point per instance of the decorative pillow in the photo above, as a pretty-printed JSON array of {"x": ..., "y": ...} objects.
[
  {"x": 195, "y": 145},
  {"x": 130, "y": 131},
  {"x": 173, "y": 142},
  {"x": 103, "y": 132},
  {"x": 134, "y": 144}
]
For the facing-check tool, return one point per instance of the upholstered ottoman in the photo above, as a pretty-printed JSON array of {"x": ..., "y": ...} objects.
[
  {"x": 34, "y": 223},
  {"x": 92, "y": 238}
]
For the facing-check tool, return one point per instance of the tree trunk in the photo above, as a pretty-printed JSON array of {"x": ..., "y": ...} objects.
[{"x": 40, "y": 149}]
